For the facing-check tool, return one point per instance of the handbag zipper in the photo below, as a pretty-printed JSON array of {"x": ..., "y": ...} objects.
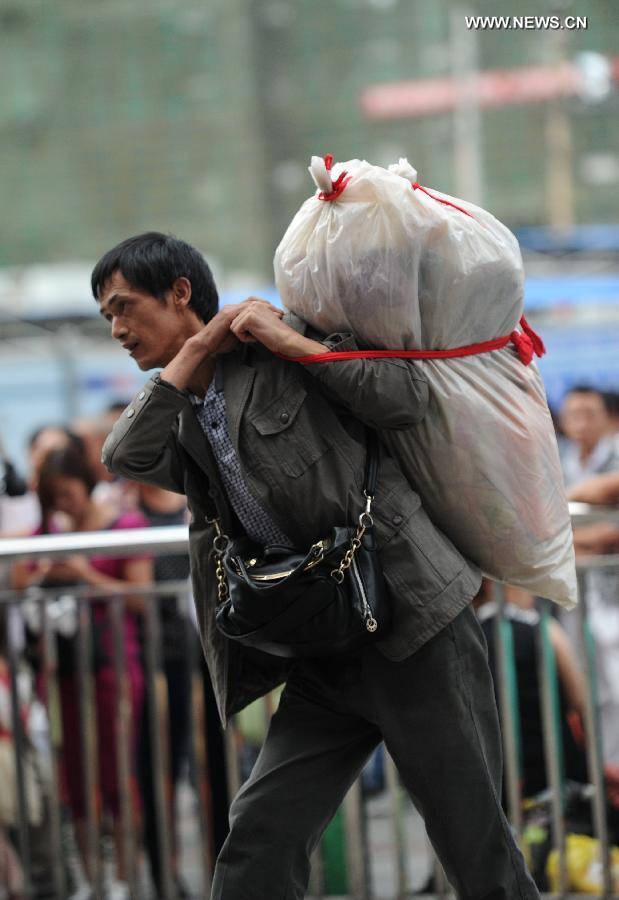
[{"x": 370, "y": 622}]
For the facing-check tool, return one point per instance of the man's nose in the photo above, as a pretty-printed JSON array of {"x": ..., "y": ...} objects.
[{"x": 118, "y": 329}]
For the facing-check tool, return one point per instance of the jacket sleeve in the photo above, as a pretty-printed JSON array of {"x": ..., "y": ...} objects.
[
  {"x": 382, "y": 393},
  {"x": 142, "y": 445}
]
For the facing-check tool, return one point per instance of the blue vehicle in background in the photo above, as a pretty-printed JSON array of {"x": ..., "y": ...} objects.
[{"x": 572, "y": 299}]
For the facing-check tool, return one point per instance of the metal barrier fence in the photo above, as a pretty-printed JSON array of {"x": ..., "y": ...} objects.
[{"x": 348, "y": 865}]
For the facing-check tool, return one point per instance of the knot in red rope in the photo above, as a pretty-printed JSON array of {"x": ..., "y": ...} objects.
[
  {"x": 527, "y": 342},
  {"x": 538, "y": 344},
  {"x": 337, "y": 187},
  {"x": 523, "y": 345}
]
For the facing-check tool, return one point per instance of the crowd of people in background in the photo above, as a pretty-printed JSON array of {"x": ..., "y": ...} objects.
[{"x": 68, "y": 489}]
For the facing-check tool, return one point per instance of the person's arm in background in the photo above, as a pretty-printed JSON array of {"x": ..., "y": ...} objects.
[
  {"x": 569, "y": 673},
  {"x": 596, "y": 539},
  {"x": 77, "y": 568},
  {"x": 29, "y": 573},
  {"x": 382, "y": 393},
  {"x": 572, "y": 680},
  {"x": 602, "y": 489}
]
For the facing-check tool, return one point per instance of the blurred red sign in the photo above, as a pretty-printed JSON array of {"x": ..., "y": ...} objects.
[{"x": 500, "y": 87}]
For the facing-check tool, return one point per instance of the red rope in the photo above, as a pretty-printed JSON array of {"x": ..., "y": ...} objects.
[
  {"x": 416, "y": 186},
  {"x": 527, "y": 343},
  {"x": 525, "y": 346},
  {"x": 339, "y": 185}
]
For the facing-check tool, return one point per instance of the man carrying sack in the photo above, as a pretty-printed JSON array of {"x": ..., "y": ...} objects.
[{"x": 276, "y": 453}]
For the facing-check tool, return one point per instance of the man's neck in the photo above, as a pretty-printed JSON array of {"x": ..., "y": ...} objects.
[
  {"x": 202, "y": 377},
  {"x": 191, "y": 368}
]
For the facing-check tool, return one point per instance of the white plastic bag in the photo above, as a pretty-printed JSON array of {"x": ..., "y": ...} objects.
[{"x": 374, "y": 253}]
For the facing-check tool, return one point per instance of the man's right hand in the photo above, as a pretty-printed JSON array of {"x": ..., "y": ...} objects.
[{"x": 216, "y": 338}]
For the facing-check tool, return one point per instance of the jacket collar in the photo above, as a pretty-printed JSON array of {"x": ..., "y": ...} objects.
[
  {"x": 237, "y": 378},
  {"x": 194, "y": 441}
]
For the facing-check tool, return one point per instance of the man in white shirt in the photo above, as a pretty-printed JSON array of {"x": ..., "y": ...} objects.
[
  {"x": 592, "y": 450},
  {"x": 591, "y": 447}
]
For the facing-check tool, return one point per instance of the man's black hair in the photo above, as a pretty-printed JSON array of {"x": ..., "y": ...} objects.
[
  {"x": 73, "y": 439},
  {"x": 152, "y": 262},
  {"x": 584, "y": 389},
  {"x": 611, "y": 399}
]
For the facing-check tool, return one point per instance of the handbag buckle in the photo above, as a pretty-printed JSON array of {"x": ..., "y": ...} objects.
[
  {"x": 365, "y": 519},
  {"x": 317, "y": 552}
]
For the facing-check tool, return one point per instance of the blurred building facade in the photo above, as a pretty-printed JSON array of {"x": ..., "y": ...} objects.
[{"x": 200, "y": 118}]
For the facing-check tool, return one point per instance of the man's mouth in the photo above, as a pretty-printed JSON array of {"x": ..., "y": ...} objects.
[{"x": 130, "y": 347}]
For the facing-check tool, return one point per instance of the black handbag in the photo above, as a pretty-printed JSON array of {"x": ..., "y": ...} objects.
[{"x": 327, "y": 600}]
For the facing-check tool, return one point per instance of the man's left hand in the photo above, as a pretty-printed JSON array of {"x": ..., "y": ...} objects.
[{"x": 257, "y": 322}]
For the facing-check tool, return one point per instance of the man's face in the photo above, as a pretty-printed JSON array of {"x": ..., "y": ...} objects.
[
  {"x": 152, "y": 331},
  {"x": 584, "y": 418}
]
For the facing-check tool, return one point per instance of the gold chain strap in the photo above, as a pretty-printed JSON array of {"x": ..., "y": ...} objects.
[
  {"x": 221, "y": 542},
  {"x": 220, "y": 545},
  {"x": 365, "y": 521}
]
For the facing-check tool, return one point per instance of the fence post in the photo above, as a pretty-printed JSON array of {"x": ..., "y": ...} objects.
[
  {"x": 19, "y": 745},
  {"x": 508, "y": 702},
  {"x": 158, "y": 730},
  {"x": 51, "y": 700},
  {"x": 553, "y": 743},
  {"x": 594, "y": 739},
  {"x": 88, "y": 722},
  {"x": 356, "y": 843}
]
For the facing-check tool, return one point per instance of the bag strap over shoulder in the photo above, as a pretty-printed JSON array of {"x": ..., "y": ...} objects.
[{"x": 371, "y": 462}]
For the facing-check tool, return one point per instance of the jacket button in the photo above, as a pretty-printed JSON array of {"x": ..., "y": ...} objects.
[
  {"x": 284, "y": 417},
  {"x": 397, "y": 520},
  {"x": 130, "y": 412},
  {"x": 141, "y": 395}
]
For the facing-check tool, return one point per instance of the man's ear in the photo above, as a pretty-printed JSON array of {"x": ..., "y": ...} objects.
[{"x": 181, "y": 293}]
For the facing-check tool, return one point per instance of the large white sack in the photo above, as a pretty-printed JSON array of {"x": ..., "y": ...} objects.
[{"x": 402, "y": 270}]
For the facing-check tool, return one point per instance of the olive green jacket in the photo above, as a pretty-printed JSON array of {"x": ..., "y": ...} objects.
[{"x": 299, "y": 434}]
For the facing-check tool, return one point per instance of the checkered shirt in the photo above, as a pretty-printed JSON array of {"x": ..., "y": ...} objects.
[{"x": 255, "y": 520}]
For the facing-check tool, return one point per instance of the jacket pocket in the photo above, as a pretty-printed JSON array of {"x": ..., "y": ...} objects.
[
  {"x": 289, "y": 439},
  {"x": 418, "y": 560}
]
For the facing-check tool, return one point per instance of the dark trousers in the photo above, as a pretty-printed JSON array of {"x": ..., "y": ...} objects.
[{"x": 436, "y": 713}]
